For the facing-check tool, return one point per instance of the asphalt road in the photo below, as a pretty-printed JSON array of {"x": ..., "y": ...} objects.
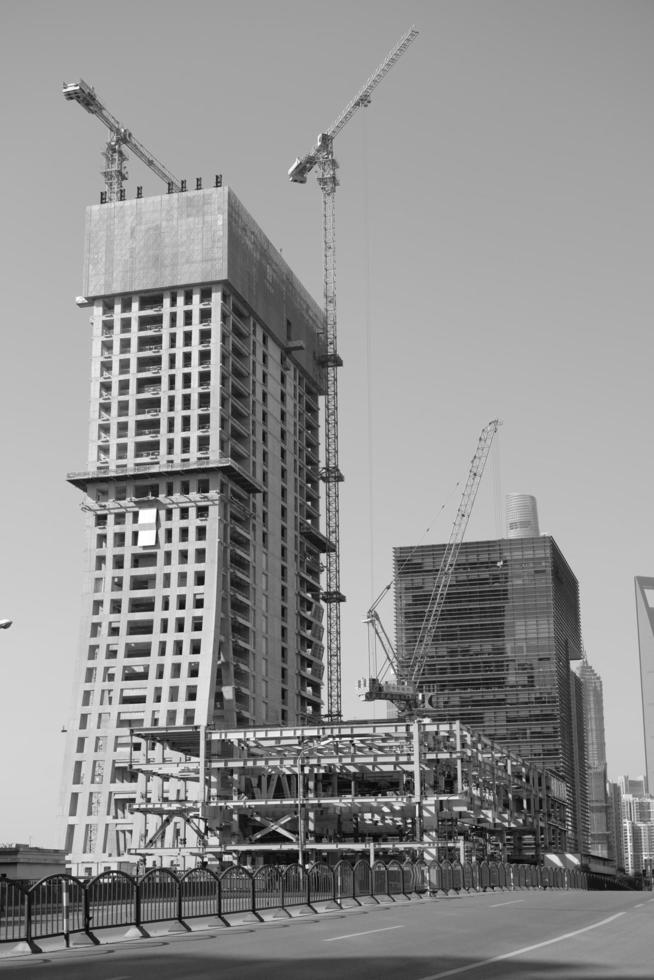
[{"x": 538, "y": 935}]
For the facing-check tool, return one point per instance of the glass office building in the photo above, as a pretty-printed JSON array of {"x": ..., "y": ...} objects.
[{"x": 499, "y": 660}]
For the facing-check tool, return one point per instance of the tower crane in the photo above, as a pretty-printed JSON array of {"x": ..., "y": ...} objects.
[
  {"x": 408, "y": 666},
  {"x": 115, "y": 172},
  {"x": 322, "y": 157}
]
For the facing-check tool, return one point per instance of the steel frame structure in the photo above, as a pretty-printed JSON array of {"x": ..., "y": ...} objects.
[{"x": 336, "y": 786}]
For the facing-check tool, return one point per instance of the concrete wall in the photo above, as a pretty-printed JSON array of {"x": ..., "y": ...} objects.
[{"x": 177, "y": 240}]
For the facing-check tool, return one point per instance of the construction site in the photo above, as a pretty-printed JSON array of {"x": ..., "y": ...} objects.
[{"x": 210, "y": 724}]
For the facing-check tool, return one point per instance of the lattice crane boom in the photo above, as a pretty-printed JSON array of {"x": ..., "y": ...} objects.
[
  {"x": 115, "y": 173},
  {"x": 403, "y": 689},
  {"x": 304, "y": 165},
  {"x": 413, "y": 669},
  {"x": 322, "y": 157}
]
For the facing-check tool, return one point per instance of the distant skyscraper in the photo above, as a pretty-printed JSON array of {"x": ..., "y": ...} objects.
[
  {"x": 593, "y": 705},
  {"x": 633, "y": 787},
  {"x": 645, "y": 621},
  {"x": 521, "y": 516},
  {"x": 581, "y": 773},
  {"x": 637, "y": 827},
  {"x": 614, "y": 816},
  {"x": 499, "y": 660}
]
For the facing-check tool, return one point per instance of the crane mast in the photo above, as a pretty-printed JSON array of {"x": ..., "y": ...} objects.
[
  {"x": 408, "y": 667},
  {"x": 115, "y": 172},
  {"x": 322, "y": 157}
]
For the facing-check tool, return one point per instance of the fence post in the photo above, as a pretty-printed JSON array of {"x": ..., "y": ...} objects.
[
  {"x": 65, "y": 911},
  {"x": 87, "y": 916},
  {"x": 87, "y": 913},
  {"x": 179, "y": 898},
  {"x": 137, "y": 904},
  {"x": 28, "y": 921}
]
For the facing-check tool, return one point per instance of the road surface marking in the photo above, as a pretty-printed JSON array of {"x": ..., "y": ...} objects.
[
  {"x": 518, "y": 952},
  {"x": 351, "y": 935},
  {"x": 516, "y": 901},
  {"x": 639, "y": 906}
]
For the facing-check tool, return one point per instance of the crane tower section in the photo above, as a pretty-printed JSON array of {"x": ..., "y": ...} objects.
[{"x": 322, "y": 157}]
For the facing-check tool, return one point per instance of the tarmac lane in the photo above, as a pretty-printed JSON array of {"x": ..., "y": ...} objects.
[{"x": 530, "y": 935}]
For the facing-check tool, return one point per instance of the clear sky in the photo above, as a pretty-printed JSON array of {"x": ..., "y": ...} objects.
[{"x": 495, "y": 243}]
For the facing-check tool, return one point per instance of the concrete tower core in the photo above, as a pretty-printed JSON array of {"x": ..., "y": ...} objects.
[{"x": 521, "y": 516}]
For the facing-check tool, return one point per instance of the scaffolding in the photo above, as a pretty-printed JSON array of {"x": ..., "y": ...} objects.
[{"x": 209, "y": 795}]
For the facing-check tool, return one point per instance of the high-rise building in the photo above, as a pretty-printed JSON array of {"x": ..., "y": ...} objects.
[
  {"x": 499, "y": 660},
  {"x": 614, "y": 817},
  {"x": 645, "y": 622},
  {"x": 637, "y": 827},
  {"x": 580, "y": 800},
  {"x": 201, "y": 602},
  {"x": 598, "y": 804}
]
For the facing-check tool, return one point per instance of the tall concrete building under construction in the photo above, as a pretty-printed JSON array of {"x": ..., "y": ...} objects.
[{"x": 201, "y": 602}]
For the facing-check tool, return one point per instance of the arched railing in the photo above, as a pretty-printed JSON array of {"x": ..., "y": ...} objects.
[
  {"x": 235, "y": 890},
  {"x": 446, "y": 876},
  {"x": 159, "y": 895},
  {"x": 199, "y": 893},
  {"x": 343, "y": 880},
  {"x": 295, "y": 885},
  {"x": 457, "y": 876},
  {"x": 395, "y": 878},
  {"x": 112, "y": 899},
  {"x": 268, "y": 887},
  {"x": 379, "y": 878},
  {"x": 420, "y": 877},
  {"x": 321, "y": 884},
  {"x": 467, "y": 876},
  {"x": 362, "y": 880},
  {"x": 435, "y": 877},
  {"x": 56, "y": 906}
]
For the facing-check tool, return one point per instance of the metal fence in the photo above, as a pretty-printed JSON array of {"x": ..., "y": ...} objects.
[{"x": 61, "y": 905}]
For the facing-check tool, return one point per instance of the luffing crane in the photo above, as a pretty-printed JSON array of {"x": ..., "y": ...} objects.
[
  {"x": 115, "y": 157},
  {"x": 408, "y": 666},
  {"x": 322, "y": 157}
]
